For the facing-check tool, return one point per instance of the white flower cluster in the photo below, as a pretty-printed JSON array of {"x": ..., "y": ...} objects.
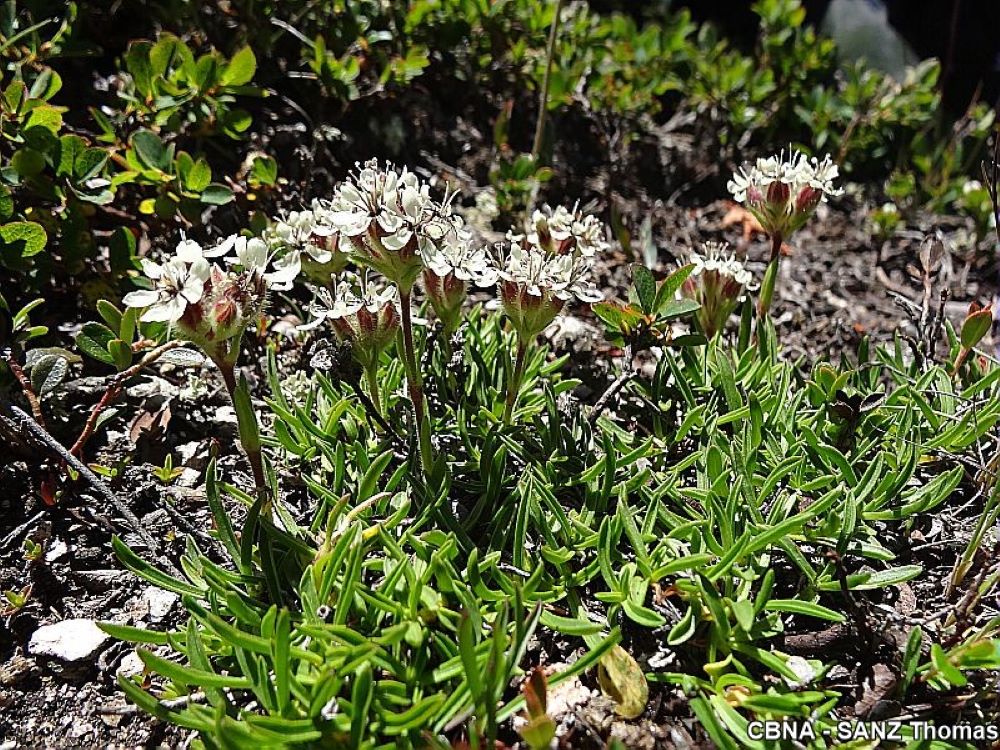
[
  {"x": 782, "y": 192},
  {"x": 561, "y": 230},
  {"x": 299, "y": 235},
  {"x": 555, "y": 256},
  {"x": 546, "y": 266},
  {"x": 363, "y": 313},
  {"x": 797, "y": 171},
  {"x": 351, "y": 294},
  {"x": 187, "y": 280},
  {"x": 717, "y": 283},
  {"x": 388, "y": 208},
  {"x": 458, "y": 257},
  {"x": 385, "y": 220},
  {"x": 714, "y": 258},
  {"x": 541, "y": 275}
]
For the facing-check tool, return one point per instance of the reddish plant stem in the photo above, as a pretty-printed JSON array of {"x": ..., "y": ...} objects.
[
  {"x": 963, "y": 354},
  {"x": 29, "y": 392},
  {"x": 114, "y": 390}
]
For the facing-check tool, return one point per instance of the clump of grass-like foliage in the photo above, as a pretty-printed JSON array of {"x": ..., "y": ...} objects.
[{"x": 466, "y": 515}]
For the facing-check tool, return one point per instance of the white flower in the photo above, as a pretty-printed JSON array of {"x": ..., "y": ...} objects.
[
  {"x": 177, "y": 284},
  {"x": 210, "y": 306},
  {"x": 304, "y": 231},
  {"x": 351, "y": 294},
  {"x": 555, "y": 257},
  {"x": 714, "y": 258},
  {"x": 363, "y": 313},
  {"x": 561, "y": 230},
  {"x": 820, "y": 175},
  {"x": 586, "y": 230},
  {"x": 189, "y": 251},
  {"x": 535, "y": 285},
  {"x": 717, "y": 283},
  {"x": 253, "y": 255},
  {"x": 250, "y": 252},
  {"x": 390, "y": 219},
  {"x": 393, "y": 202}
]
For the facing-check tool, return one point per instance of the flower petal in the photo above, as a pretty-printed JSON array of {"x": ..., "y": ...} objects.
[
  {"x": 141, "y": 298},
  {"x": 168, "y": 311},
  {"x": 151, "y": 269},
  {"x": 188, "y": 251}
]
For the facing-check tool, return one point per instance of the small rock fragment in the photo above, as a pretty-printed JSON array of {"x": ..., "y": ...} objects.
[
  {"x": 97, "y": 581},
  {"x": 158, "y": 602},
  {"x": 130, "y": 665},
  {"x": 189, "y": 478},
  {"x": 225, "y": 414},
  {"x": 56, "y": 550},
  {"x": 69, "y": 640}
]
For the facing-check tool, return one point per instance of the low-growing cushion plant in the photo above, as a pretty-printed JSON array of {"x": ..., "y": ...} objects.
[{"x": 440, "y": 534}]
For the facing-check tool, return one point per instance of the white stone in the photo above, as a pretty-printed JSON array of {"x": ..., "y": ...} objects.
[
  {"x": 56, "y": 550},
  {"x": 158, "y": 602},
  {"x": 225, "y": 414},
  {"x": 130, "y": 665},
  {"x": 69, "y": 640}
]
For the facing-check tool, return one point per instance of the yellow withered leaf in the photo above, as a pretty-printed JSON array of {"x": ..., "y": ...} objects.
[{"x": 622, "y": 680}]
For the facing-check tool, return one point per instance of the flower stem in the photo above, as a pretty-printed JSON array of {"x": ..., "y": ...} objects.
[
  {"x": 413, "y": 383},
  {"x": 543, "y": 97},
  {"x": 770, "y": 279},
  {"x": 247, "y": 424},
  {"x": 514, "y": 382},
  {"x": 371, "y": 375}
]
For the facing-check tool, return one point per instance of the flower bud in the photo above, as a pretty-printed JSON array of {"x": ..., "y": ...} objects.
[
  {"x": 224, "y": 313},
  {"x": 807, "y": 200},
  {"x": 778, "y": 195},
  {"x": 447, "y": 294}
]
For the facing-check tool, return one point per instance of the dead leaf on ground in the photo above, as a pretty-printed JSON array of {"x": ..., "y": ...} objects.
[
  {"x": 875, "y": 690},
  {"x": 150, "y": 424},
  {"x": 622, "y": 680},
  {"x": 738, "y": 215}
]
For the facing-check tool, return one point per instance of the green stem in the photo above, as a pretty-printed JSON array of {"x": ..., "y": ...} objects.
[
  {"x": 770, "y": 279},
  {"x": 371, "y": 375},
  {"x": 249, "y": 432},
  {"x": 255, "y": 528},
  {"x": 414, "y": 385},
  {"x": 514, "y": 382}
]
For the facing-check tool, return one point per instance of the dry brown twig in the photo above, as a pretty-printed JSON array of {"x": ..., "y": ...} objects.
[{"x": 115, "y": 388}]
